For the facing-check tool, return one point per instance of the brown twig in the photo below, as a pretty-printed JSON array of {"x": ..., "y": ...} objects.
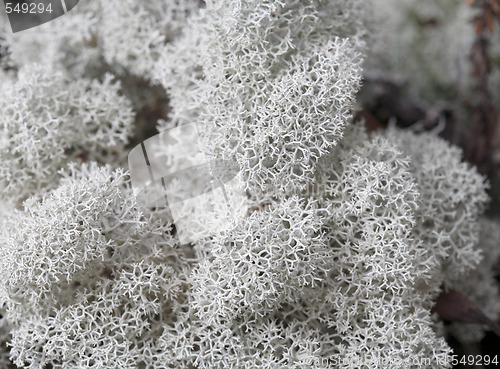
[{"x": 484, "y": 115}]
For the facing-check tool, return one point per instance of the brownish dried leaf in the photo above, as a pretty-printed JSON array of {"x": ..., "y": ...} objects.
[
  {"x": 490, "y": 23},
  {"x": 456, "y": 307},
  {"x": 479, "y": 26},
  {"x": 495, "y": 5}
]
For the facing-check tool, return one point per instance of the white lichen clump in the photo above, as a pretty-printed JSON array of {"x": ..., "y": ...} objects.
[
  {"x": 480, "y": 285},
  {"x": 47, "y": 120},
  {"x": 427, "y": 46},
  {"x": 126, "y": 35},
  {"x": 424, "y": 43},
  {"x": 347, "y": 240},
  {"x": 273, "y": 83}
]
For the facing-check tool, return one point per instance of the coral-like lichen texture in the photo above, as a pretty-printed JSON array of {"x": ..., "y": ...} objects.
[
  {"x": 47, "y": 120},
  {"x": 347, "y": 238},
  {"x": 453, "y": 195},
  {"x": 87, "y": 277},
  {"x": 123, "y": 35},
  {"x": 272, "y": 84}
]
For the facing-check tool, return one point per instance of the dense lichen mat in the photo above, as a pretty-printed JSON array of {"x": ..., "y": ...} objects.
[{"x": 341, "y": 239}]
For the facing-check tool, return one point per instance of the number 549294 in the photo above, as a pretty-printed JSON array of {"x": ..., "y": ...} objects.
[{"x": 25, "y": 8}]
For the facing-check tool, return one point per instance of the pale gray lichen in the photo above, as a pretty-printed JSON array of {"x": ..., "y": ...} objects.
[
  {"x": 347, "y": 239},
  {"x": 125, "y": 34},
  {"x": 453, "y": 195},
  {"x": 88, "y": 277},
  {"x": 48, "y": 120},
  {"x": 479, "y": 285},
  {"x": 273, "y": 84},
  {"x": 427, "y": 44}
]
